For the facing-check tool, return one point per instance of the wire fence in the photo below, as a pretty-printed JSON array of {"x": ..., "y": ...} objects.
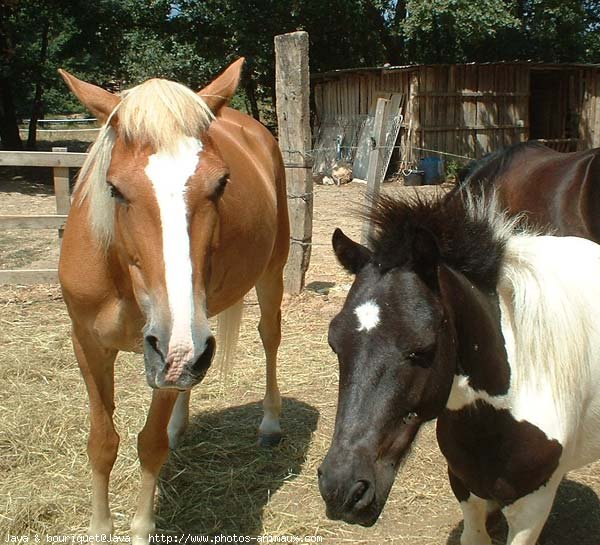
[{"x": 346, "y": 153}]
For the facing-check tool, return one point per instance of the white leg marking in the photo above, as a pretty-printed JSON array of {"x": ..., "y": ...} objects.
[
  {"x": 101, "y": 520},
  {"x": 368, "y": 315},
  {"x": 169, "y": 173},
  {"x": 527, "y": 516},
  {"x": 270, "y": 423},
  {"x": 143, "y": 523},
  {"x": 475, "y": 516},
  {"x": 179, "y": 419}
]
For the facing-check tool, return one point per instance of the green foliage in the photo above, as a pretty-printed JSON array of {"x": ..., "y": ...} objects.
[
  {"x": 456, "y": 30},
  {"x": 491, "y": 30},
  {"x": 147, "y": 55},
  {"x": 556, "y": 29},
  {"x": 453, "y": 167},
  {"x": 119, "y": 43},
  {"x": 591, "y": 39}
]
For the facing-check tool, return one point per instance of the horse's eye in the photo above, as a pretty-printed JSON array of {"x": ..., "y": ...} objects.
[
  {"x": 220, "y": 187},
  {"x": 422, "y": 358},
  {"x": 115, "y": 193}
]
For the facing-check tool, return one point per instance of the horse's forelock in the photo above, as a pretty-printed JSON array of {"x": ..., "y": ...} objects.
[
  {"x": 156, "y": 113},
  {"x": 159, "y": 112}
]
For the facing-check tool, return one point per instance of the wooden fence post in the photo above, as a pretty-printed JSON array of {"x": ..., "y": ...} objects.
[
  {"x": 292, "y": 87},
  {"x": 374, "y": 171},
  {"x": 61, "y": 189}
]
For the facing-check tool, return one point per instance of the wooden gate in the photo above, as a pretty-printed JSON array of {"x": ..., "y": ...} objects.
[{"x": 60, "y": 160}]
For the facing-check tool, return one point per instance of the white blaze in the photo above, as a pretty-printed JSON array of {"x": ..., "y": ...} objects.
[
  {"x": 169, "y": 173},
  {"x": 368, "y": 315}
]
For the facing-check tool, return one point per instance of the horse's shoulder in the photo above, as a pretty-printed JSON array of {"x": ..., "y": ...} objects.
[{"x": 519, "y": 456}]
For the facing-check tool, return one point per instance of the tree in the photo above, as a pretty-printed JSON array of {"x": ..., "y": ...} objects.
[
  {"x": 47, "y": 34},
  {"x": 493, "y": 30},
  {"x": 9, "y": 128},
  {"x": 118, "y": 43},
  {"x": 555, "y": 30},
  {"x": 109, "y": 42},
  {"x": 457, "y": 30},
  {"x": 342, "y": 33}
]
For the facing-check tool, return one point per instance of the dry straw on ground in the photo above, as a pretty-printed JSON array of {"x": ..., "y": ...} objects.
[{"x": 219, "y": 481}]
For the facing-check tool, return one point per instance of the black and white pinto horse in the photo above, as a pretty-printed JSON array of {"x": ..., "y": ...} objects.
[{"x": 455, "y": 315}]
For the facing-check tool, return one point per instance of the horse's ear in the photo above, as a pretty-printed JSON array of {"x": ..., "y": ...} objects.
[
  {"x": 455, "y": 289},
  {"x": 98, "y": 101},
  {"x": 426, "y": 254},
  {"x": 351, "y": 255},
  {"x": 219, "y": 92},
  {"x": 478, "y": 334}
]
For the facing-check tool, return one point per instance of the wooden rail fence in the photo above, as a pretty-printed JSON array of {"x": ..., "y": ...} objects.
[{"x": 61, "y": 161}]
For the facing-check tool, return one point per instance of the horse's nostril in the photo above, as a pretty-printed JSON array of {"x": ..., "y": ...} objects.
[
  {"x": 319, "y": 472},
  {"x": 204, "y": 361},
  {"x": 154, "y": 344},
  {"x": 357, "y": 493}
]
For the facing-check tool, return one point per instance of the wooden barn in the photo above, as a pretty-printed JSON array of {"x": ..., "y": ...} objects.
[{"x": 463, "y": 110}]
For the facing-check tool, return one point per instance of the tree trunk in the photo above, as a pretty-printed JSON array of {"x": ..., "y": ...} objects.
[
  {"x": 250, "y": 88},
  {"x": 390, "y": 35},
  {"x": 37, "y": 107},
  {"x": 9, "y": 128}
]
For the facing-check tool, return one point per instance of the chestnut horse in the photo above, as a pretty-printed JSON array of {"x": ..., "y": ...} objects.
[
  {"x": 180, "y": 209},
  {"x": 555, "y": 190},
  {"x": 456, "y": 315}
]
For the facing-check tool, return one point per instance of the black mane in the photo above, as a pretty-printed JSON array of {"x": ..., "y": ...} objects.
[
  {"x": 483, "y": 171},
  {"x": 419, "y": 234}
]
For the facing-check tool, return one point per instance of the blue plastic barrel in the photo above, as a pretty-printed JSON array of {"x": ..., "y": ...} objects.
[{"x": 433, "y": 168}]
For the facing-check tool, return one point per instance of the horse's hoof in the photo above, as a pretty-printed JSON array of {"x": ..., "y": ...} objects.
[
  {"x": 269, "y": 439},
  {"x": 104, "y": 530}
]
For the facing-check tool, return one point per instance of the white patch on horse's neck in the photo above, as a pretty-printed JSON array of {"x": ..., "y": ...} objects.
[
  {"x": 169, "y": 173},
  {"x": 368, "y": 315},
  {"x": 530, "y": 396},
  {"x": 463, "y": 394}
]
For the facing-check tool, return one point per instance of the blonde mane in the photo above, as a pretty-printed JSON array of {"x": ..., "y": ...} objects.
[{"x": 156, "y": 113}]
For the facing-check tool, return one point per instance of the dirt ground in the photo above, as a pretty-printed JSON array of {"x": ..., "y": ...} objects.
[{"x": 217, "y": 481}]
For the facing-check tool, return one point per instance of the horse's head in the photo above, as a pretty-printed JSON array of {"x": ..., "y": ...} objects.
[
  {"x": 396, "y": 359},
  {"x": 151, "y": 187}
]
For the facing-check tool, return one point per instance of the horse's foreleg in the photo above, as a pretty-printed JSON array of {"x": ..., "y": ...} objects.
[
  {"x": 97, "y": 368},
  {"x": 526, "y": 517},
  {"x": 269, "y": 290},
  {"x": 475, "y": 516},
  {"x": 179, "y": 419},
  {"x": 475, "y": 511},
  {"x": 153, "y": 449}
]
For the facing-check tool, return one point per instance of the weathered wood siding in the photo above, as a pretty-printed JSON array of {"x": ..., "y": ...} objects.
[
  {"x": 472, "y": 109},
  {"x": 589, "y": 122}
]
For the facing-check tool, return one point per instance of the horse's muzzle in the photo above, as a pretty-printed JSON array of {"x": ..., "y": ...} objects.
[
  {"x": 181, "y": 370},
  {"x": 347, "y": 497}
]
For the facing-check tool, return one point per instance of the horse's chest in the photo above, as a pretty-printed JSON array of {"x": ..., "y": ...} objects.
[{"x": 494, "y": 455}]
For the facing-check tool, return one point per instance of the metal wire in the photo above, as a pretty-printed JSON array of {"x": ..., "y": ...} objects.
[{"x": 310, "y": 153}]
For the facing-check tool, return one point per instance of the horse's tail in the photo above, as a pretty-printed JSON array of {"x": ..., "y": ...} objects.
[{"x": 228, "y": 332}]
